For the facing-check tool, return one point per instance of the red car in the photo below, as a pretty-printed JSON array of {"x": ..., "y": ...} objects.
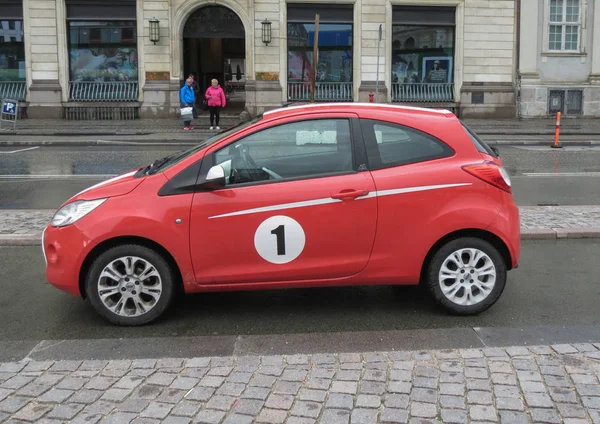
[{"x": 304, "y": 196}]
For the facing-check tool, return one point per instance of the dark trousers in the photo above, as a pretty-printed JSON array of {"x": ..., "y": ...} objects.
[{"x": 215, "y": 112}]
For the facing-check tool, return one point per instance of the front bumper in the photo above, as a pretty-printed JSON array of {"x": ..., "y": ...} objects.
[{"x": 64, "y": 251}]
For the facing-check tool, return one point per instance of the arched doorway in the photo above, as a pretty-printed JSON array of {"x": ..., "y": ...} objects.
[{"x": 214, "y": 46}]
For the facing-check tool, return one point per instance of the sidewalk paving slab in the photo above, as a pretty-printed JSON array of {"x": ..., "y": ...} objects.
[
  {"x": 546, "y": 384},
  {"x": 541, "y": 126},
  {"x": 24, "y": 227}
]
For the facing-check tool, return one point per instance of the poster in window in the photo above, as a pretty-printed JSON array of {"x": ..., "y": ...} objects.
[
  {"x": 405, "y": 68},
  {"x": 334, "y": 66},
  {"x": 299, "y": 66},
  {"x": 100, "y": 64},
  {"x": 437, "y": 69}
]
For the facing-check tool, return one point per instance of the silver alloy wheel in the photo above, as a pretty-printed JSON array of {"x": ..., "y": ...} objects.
[
  {"x": 129, "y": 286},
  {"x": 467, "y": 276}
]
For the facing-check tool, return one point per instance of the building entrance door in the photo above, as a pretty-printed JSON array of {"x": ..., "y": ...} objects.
[{"x": 214, "y": 48}]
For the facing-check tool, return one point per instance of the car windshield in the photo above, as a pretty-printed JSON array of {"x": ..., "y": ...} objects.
[{"x": 167, "y": 162}]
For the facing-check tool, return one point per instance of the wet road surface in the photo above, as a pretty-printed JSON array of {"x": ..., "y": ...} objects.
[
  {"x": 555, "y": 284},
  {"x": 44, "y": 177}
]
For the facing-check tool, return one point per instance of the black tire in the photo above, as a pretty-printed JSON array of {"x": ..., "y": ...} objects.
[
  {"x": 433, "y": 280},
  {"x": 156, "y": 260}
]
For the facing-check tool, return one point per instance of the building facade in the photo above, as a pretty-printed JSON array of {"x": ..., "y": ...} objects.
[
  {"x": 105, "y": 59},
  {"x": 559, "y": 59}
]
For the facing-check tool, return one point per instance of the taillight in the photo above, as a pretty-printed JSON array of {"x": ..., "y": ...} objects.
[{"x": 490, "y": 173}]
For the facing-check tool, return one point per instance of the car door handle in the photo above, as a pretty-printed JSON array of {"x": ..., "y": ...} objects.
[{"x": 349, "y": 194}]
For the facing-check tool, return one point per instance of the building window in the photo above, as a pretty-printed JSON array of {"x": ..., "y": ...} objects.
[
  {"x": 12, "y": 60},
  {"x": 334, "y": 68},
  {"x": 564, "y": 26},
  {"x": 103, "y": 51},
  {"x": 567, "y": 102},
  {"x": 103, "y": 62},
  {"x": 12, "y": 51},
  {"x": 423, "y": 43}
]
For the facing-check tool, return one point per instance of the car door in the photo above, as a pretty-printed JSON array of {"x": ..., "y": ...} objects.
[
  {"x": 419, "y": 180},
  {"x": 296, "y": 208}
]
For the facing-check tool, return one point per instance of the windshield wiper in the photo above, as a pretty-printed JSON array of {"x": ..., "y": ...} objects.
[{"x": 154, "y": 166}]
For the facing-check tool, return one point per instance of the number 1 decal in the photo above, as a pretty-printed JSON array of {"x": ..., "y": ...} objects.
[
  {"x": 287, "y": 244},
  {"x": 280, "y": 233}
]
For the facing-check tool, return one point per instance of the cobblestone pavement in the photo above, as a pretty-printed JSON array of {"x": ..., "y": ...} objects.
[
  {"x": 540, "y": 384},
  {"x": 32, "y": 222},
  {"x": 554, "y": 217}
]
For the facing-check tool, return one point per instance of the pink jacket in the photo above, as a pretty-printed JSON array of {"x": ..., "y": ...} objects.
[{"x": 215, "y": 96}]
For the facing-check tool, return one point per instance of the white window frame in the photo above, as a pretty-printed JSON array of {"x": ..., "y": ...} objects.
[{"x": 563, "y": 24}]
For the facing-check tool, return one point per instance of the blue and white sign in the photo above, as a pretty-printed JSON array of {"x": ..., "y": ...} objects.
[
  {"x": 9, "y": 107},
  {"x": 9, "y": 112}
]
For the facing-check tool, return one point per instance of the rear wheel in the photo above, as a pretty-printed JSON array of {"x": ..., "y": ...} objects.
[
  {"x": 130, "y": 285},
  {"x": 467, "y": 276}
]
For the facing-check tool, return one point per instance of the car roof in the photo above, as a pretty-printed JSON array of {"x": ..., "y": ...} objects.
[{"x": 355, "y": 108}]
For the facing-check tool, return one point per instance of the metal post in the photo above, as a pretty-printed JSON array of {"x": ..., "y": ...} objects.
[
  {"x": 377, "y": 81},
  {"x": 315, "y": 58}
]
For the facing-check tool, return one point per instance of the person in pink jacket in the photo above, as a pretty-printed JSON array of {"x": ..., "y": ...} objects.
[{"x": 216, "y": 100}]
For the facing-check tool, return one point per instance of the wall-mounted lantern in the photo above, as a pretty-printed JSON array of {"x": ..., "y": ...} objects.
[
  {"x": 266, "y": 31},
  {"x": 154, "y": 30}
]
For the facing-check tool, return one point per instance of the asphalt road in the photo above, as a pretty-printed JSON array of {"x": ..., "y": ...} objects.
[
  {"x": 556, "y": 284},
  {"x": 43, "y": 178}
]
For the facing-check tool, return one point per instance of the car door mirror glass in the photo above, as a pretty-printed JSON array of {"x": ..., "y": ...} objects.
[{"x": 215, "y": 178}]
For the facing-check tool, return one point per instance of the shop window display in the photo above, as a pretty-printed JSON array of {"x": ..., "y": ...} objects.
[
  {"x": 103, "y": 51},
  {"x": 12, "y": 51},
  {"x": 335, "y": 53},
  {"x": 422, "y": 54}
]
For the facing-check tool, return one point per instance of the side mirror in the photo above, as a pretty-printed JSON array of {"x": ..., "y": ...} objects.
[{"x": 215, "y": 178}]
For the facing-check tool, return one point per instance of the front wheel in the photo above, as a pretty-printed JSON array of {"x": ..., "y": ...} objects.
[
  {"x": 130, "y": 285},
  {"x": 467, "y": 276}
]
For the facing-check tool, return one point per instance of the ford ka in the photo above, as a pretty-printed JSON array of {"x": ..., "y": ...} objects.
[{"x": 298, "y": 197}]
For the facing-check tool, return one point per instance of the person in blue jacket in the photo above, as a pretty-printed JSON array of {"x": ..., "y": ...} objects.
[{"x": 188, "y": 99}]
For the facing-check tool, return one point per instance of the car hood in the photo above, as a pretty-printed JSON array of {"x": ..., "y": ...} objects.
[{"x": 117, "y": 186}]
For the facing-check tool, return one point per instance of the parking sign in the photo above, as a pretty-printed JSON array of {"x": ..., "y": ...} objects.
[
  {"x": 9, "y": 112},
  {"x": 9, "y": 108}
]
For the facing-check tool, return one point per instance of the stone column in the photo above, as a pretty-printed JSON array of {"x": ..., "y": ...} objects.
[
  {"x": 264, "y": 87},
  {"x": 595, "y": 76},
  {"x": 488, "y": 68},
  {"x": 160, "y": 89},
  {"x": 529, "y": 52},
  {"x": 533, "y": 98},
  {"x": 41, "y": 46},
  {"x": 372, "y": 14}
]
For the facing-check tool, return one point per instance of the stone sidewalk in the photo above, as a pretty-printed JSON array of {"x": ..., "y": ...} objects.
[
  {"x": 539, "y": 384},
  {"x": 49, "y": 127},
  {"x": 537, "y": 222}
]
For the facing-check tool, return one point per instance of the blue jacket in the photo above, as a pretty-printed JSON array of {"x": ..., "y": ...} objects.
[{"x": 186, "y": 95}]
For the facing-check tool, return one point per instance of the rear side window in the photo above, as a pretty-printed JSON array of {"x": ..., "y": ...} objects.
[
  {"x": 394, "y": 145},
  {"x": 481, "y": 145}
]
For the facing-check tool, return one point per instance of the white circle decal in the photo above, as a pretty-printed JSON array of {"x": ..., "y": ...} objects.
[{"x": 279, "y": 239}]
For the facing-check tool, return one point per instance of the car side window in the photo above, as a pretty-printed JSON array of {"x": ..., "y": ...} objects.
[
  {"x": 303, "y": 149},
  {"x": 395, "y": 145}
]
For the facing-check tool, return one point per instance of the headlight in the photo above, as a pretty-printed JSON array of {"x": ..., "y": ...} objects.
[{"x": 73, "y": 212}]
